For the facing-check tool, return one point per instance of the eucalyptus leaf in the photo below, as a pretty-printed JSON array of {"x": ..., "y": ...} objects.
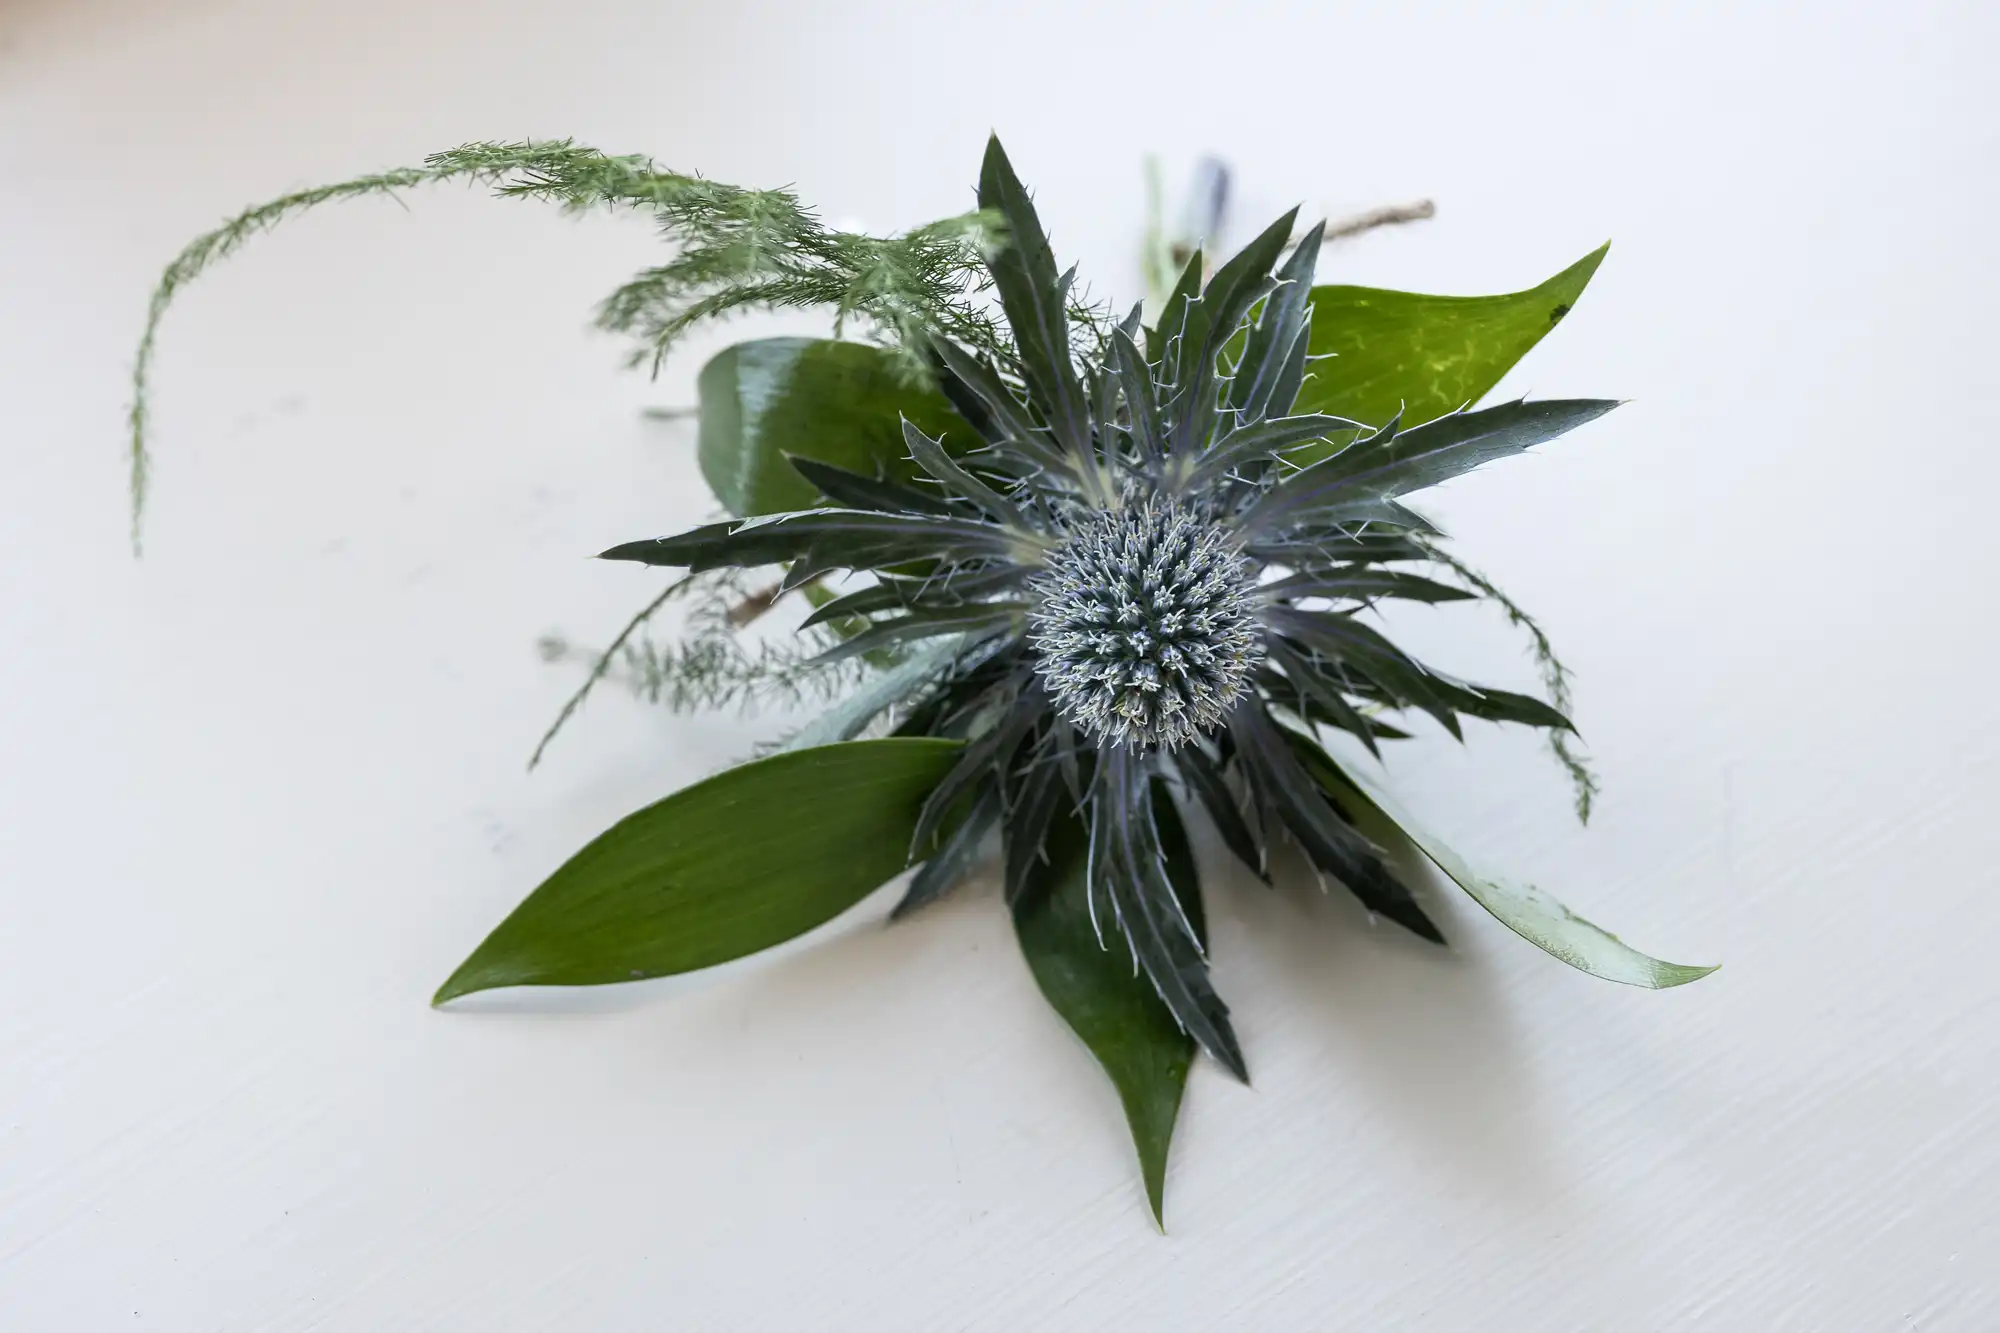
[
  {"x": 1425, "y": 355},
  {"x": 1095, "y": 989},
  {"x": 730, "y": 866},
  {"x": 818, "y": 398},
  {"x": 1524, "y": 909}
]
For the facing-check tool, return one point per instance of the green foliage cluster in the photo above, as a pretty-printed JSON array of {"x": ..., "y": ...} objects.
[{"x": 1209, "y": 631}]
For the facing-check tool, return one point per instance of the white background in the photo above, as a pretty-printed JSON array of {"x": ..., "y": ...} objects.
[{"x": 261, "y": 791}]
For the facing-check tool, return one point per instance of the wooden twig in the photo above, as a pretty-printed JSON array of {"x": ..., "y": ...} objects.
[
  {"x": 752, "y": 606},
  {"x": 1393, "y": 216}
]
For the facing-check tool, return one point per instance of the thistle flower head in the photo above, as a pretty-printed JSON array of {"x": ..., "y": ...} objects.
[
  {"x": 1143, "y": 625},
  {"x": 1140, "y": 561}
]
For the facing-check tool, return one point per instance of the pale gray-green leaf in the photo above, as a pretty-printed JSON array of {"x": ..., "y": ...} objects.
[{"x": 1529, "y": 912}]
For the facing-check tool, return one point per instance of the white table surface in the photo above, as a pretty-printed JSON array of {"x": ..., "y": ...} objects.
[{"x": 260, "y": 791}]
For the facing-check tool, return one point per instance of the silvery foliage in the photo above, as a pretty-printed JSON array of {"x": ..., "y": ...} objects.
[{"x": 1147, "y": 568}]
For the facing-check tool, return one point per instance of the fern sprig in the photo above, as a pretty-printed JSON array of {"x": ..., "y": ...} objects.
[
  {"x": 1555, "y": 676},
  {"x": 713, "y": 667},
  {"x": 736, "y": 249}
]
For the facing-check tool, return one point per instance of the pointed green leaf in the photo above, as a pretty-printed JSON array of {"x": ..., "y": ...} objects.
[
  {"x": 929, "y": 455},
  {"x": 1524, "y": 909},
  {"x": 738, "y": 863},
  {"x": 837, "y": 402},
  {"x": 1105, "y": 1000},
  {"x": 1427, "y": 355}
]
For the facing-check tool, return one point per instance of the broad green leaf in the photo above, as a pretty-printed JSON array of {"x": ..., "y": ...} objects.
[
  {"x": 838, "y": 402},
  {"x": 1425, "y": 355},
  {"x": 1524, "y": 909},
  {"x": 740, "y": 862},
  {"x": 1106, "y": 1000}
]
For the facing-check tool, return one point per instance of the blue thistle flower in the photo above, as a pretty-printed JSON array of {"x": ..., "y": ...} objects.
[
  {"x": 1145, "y": 569},
  {"x": 1143, "y": 624}
]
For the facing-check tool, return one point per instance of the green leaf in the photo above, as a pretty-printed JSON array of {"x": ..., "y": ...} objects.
[
  {"x": 818, "y": 398},
  {"x": 1105, "y": 1000},
  {"x": 738, "y": 863},
  {"x": 1524, "y": 909},
  {"x": 1265, "y": 438},
  {"x": 1425, "y": 355}
]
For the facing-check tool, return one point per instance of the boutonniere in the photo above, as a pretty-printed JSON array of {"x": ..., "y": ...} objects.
[{"x": 1076, "y": 577}]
